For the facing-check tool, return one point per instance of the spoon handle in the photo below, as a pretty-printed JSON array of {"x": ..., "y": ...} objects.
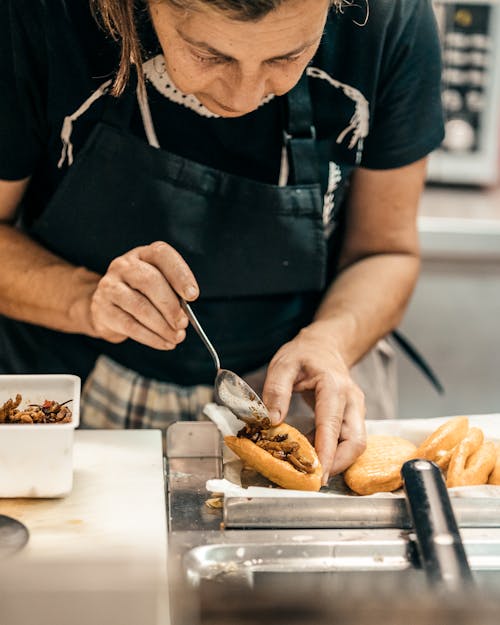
[{"x": 196, "y": 325}]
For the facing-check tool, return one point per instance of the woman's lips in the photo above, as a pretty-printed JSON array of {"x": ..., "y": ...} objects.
[
  {"x": 226, "y": 108},
  {"x": 219, "y": 105},
  {"x": 209, "y": 100}
]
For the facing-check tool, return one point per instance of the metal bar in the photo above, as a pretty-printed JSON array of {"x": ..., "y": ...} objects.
[{"x": 336, "y": 513}]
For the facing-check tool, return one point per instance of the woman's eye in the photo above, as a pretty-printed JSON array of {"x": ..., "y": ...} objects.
[
  {"x": 213, "y": 60},
  {"x": 285, "y": 60}
]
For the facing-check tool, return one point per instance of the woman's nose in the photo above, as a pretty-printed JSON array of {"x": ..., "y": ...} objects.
[{"x": 246, "y": 91}]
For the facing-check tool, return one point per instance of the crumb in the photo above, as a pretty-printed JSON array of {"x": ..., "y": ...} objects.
[{"x": 214, "y": 502}]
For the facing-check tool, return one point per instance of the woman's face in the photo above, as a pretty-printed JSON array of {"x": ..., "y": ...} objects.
[{"x": 232, "y": 65}]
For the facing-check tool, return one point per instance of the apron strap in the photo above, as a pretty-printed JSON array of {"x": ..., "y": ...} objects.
[
  {"x": 300, "y": 135},
  {"x": 67, "y": 127},
  {"x": 118, "y": 111},
  {"x": 418, "y": 360}
]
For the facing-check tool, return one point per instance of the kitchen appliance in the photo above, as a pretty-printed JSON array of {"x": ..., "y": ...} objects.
[{"x": 470, "y": 38}]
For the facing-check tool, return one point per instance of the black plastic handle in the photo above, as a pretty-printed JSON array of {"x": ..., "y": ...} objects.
[{"x": 439, "y": 543}]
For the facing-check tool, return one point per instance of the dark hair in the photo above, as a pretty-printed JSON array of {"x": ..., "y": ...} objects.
[{"x": 119, "y": 18}]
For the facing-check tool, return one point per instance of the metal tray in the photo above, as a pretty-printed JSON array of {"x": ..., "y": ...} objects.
[
  {"x": 323, "y": 552},
  {"x": 194, "y": 455}
]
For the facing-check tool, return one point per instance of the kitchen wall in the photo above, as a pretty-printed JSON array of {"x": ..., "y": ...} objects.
[{"x": 454, "y": 315}]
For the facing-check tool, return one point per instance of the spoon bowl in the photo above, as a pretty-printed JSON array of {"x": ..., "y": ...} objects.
[
  {"x": 230, "y": 390},
  {"x": 239, "y": 397}
]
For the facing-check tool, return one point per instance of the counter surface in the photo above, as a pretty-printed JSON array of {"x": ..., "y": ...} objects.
[
  {"x": 460, "y": 223},
  {"x": 116, "y": 510},
  {"x": 99, "y": 555},
  {"x": 469, "y": 203}
]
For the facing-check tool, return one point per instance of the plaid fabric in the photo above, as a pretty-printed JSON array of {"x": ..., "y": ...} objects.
[{"x": 117, "y": 397}]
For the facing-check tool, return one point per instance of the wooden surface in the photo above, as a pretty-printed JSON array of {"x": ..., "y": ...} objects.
[
  {"x": 100, "y": 555},
  {"x": 116, "y": 510}
]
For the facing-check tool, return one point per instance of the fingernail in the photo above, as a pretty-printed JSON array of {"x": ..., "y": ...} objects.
[
  {"x": 191, "y": 292},
  {"x": 325, "y": 479},
  {"x": 275, "y": 416}
]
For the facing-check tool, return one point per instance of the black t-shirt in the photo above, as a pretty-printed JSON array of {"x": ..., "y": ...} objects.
[
  {"x": 375, "y": 85},
  {"x": 375, "y": 92}
]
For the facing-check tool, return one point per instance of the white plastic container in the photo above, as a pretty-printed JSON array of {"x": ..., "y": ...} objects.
[{"x": 36, "y": 460}]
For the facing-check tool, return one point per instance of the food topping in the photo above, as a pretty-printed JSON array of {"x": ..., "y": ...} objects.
[
  {"x": 48, "y": 412},
  {"x": 277, "y": 445}
]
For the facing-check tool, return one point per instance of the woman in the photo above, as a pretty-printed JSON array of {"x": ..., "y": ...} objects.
[{"x": 260, "y": 158}]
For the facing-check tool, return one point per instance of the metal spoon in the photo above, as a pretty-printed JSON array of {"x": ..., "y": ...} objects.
[
  {"x": 13, "y": 535},
  {"x": 230, "y": 389}
]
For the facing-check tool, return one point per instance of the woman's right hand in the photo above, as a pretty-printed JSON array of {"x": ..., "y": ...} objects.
[{"x": 138, "y": 297}]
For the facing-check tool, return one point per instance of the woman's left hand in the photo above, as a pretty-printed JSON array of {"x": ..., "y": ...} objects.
[{"x": 313, "y": 366}]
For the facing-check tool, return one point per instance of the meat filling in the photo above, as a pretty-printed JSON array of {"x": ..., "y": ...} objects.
[
  {"x": 278, "y": 445},
  {"x": 48, "y": 412}
]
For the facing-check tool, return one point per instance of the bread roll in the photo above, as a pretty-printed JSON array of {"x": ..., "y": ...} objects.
[
  {"x": 494, "y": 477},
  {"x": 472, "y": 461},
  {"x": 281, "y": 471},
  {"x": 439, "y": 445},
  {"x": 378, "y": 469}
]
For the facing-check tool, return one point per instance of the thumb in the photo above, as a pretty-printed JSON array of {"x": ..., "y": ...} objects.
[{"x": 277, "y": 391}]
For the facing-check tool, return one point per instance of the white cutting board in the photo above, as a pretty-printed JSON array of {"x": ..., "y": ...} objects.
[
  {"x": 116, "y": 510},
  {"x": 100, "y": 554}
]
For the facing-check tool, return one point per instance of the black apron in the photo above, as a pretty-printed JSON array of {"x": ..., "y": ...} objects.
[{"x": 258, "y": 251}]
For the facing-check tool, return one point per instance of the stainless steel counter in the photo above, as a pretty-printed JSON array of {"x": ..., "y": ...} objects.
[
  {"x": 213, "y": 550},
  {"x": 460, "y": 223}
]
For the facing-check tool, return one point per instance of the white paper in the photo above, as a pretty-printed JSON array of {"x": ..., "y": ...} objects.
[
  {"x": 227, "y": 423},
  {"x": 229, "y": 489},
  {"x": 414, "y": 430}
]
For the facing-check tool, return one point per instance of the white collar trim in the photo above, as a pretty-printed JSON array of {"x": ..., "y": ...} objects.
[{"x": 155, "y": 71}]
